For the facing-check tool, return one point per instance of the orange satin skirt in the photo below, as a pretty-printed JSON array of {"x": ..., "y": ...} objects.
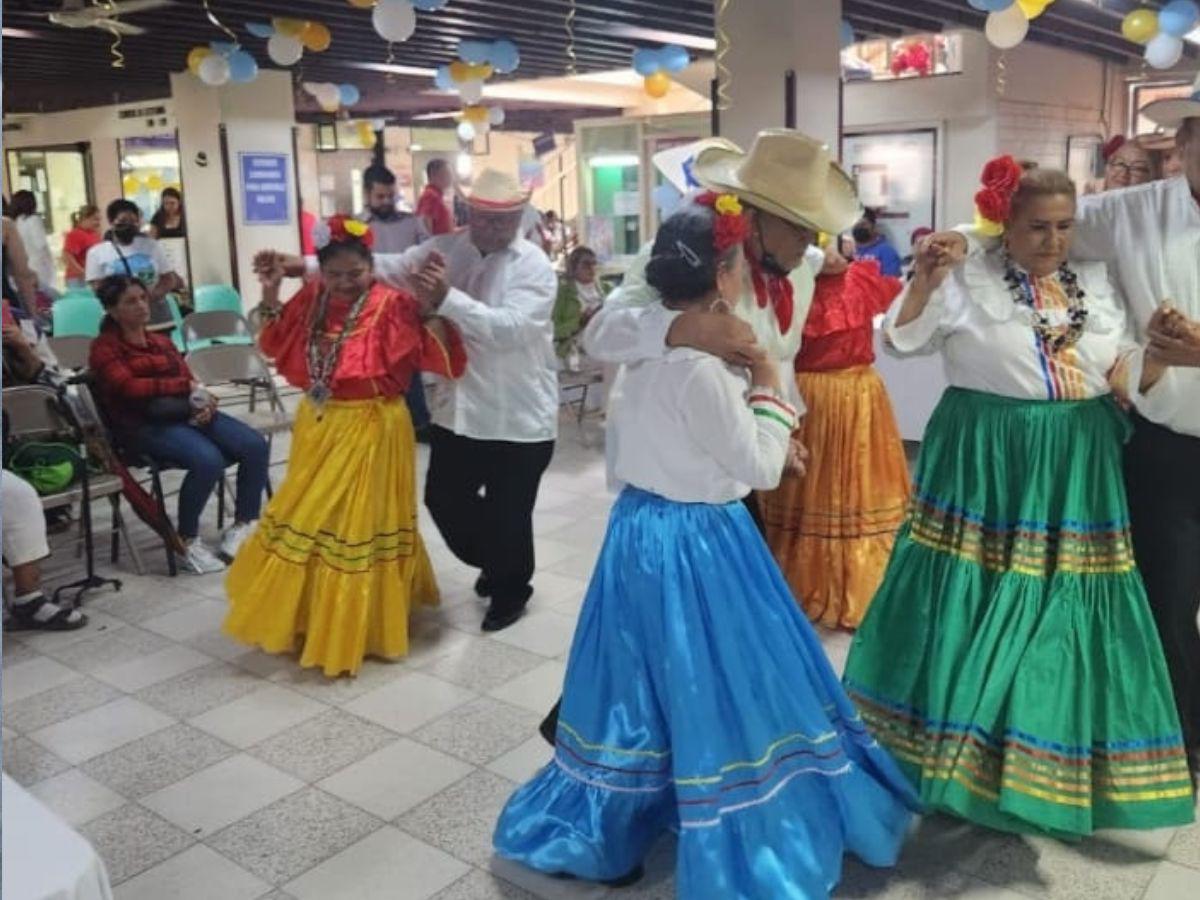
[{"x": 832, "y": 530}]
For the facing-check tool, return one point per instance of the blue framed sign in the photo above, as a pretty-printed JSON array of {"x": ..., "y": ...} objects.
[{"x": 264, "y": 188}]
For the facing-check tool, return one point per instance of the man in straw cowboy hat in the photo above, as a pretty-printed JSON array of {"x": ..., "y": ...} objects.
[
  {"x": 494, "y": 428},
  {"x": 1150, "y": 236},
  {"x": 792, "y": 189}
]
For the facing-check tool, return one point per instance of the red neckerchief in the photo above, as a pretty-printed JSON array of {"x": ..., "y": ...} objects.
[{"x": 778, "y": 291}]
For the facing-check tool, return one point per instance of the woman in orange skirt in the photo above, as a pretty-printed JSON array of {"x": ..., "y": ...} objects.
[{"x": 832, "y": 529}]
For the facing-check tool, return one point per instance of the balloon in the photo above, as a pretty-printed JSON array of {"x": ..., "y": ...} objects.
[
  {"x": 394, "y": 20},
  {"x": 378, "y": 124},
  {"x": 243, "y": 68},
  {"x": 496, "y": 116},
  {"x": 130, "y": 184},
  {"x": 991, "y": 5},
  {"x": 214, "y": 70},
  {"x": 442, "y": 80},
  {"x": 658, "y": 84},
  {"x": 155, "y": 182},
  {"x": 1178, "y": 17},
  {"x": 289, "y": 27},
  {"x": 466, "y": 132},
  {"x": 1164, "y": 51},
  {"x": 504, "y": 57},
  {"x": 348, "y": 94},
  {"x": 196, "y": 56},
  {"x": 666, "y": 199},
  {"x": 674, "y": 58},
  {"x": 475, "y": 114},
  {"x": 284, "y": 50},
  {"x": 1033, "y": 8},
  {"x": 474, "y": 52},
  {"x": 429, "y": 5},
  {"x": 459, "y": 72},
  {"x": 481, "y": 72},
  {"x": 366, "y": 134},
  {"x": 1007, "y": 28},
  {"x": 222, "y": 47},
  {"x": 362, "y": 4},
  {"x": 847, "y": 34},
  {"x": 260, "y": 29},
  {"x": 646, "y": 62},
  {"x": 1140, "y": 25},
  {"x": 471, "y": 92},
  {"x": 329, "y": 96},
  {"x": 316, "y": 37}
]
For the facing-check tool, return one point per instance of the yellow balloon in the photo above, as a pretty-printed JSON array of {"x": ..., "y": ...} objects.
[
  {"x": 316, "y": 37},
  {"x": 1033, "y": 8},
  {"x": 130, "y": 184},
  {"x": 362, "y": 4},
  {"x": 475, "y": 114},
  {"x": 481, "y": 72},
  {"x": 196, "y": 56},
  {"x": 366, "y": 134},
  {"x": 155, "y": 183},
  {"x": 658, "y": 84},
  {"x": 460, "y": 72},
  {"x": 290, "y": 27},
  {"x": 1140, "y": 25}
]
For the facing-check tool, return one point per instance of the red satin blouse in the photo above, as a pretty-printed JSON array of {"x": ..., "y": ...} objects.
[{"x": 839, "y": 332}]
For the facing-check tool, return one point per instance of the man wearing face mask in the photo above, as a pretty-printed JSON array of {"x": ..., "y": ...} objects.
[
  {"x": 395, "y": 230},
  {"x": 129, "y": 252},
  {"x": 871, "y": 243}
]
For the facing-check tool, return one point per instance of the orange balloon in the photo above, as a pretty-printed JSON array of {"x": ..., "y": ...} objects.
[
  {"x": 460, "y": 72},
  {"x": 481, "y": 72},
  {"x": 195, "y": 57},
  {"x": 658, "y": 84},
  {"x": 362, "y": 4},
  {"x": 316, "y": 37}
]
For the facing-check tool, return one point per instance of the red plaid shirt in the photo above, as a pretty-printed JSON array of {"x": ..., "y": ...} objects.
[{"x": 128, "y": 376}]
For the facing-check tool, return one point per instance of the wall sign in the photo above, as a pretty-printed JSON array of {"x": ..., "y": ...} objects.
[{"x": 264, "y": 188}]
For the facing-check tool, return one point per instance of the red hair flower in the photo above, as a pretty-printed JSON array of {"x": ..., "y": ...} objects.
[
  {"x": 730, "y": 227},
  {"x": 1001, "y": 177},
  {"x": 344, "y": 228}
]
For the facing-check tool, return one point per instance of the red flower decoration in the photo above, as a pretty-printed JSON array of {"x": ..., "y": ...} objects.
[
  {"x": 993, "y": 205},
  {"x": 919, "y": 59},
  {"x": 344, "y": 228},
  {"x": 1001, "y": 177},
  {"x": 729, "y": 229}
]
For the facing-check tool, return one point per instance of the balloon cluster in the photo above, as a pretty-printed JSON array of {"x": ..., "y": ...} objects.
[
  {"x": 332, "y": 96},
  {"x": 846, "y": 31},
  {"x": 396, "y": 20},
  {"x": 1162, "y": 31},
  {"x": 655, "y": 64},
  {"x": 222, "y": 62},
  {"x": 1008, "y": 20},
  {"x": 287, "y": 39},
  {"x": 477, "y": 62},
  {"x": 153, "y": 183},
  {"x": 478, "y": 121}
]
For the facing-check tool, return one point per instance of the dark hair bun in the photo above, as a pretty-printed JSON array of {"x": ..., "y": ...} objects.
[{"x": 683, "y": 264}]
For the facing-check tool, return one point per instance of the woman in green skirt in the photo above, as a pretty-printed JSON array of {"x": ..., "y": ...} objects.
[{"x": 1009, "y": 660}]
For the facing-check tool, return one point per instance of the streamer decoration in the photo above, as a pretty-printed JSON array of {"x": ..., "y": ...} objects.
[
  {"x": 724, "y": 75},
  {"x": 118, "y": 58},
  {"x": 572, "y": 58}
]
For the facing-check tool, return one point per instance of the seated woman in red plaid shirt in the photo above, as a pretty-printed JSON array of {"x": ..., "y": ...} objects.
[{"x": 147, "y": 391}]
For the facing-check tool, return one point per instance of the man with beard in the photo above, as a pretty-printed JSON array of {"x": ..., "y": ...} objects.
[{"x": 395, "y": 230}]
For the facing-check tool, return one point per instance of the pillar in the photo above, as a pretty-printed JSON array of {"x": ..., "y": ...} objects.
[{"x": 766, "y": 39}]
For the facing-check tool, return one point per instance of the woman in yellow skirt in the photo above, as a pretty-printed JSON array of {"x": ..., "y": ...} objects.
[
  {"x": 337, "y": 562},
  {"x": 832, "y": 529}
]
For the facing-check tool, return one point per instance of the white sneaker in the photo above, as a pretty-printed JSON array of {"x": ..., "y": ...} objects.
[
  {"x": 233, "y": 538},
  {"x": 197, "y": 559}
]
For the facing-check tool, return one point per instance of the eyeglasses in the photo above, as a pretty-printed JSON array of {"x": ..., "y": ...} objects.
[{"x": 1136, "y": 170}]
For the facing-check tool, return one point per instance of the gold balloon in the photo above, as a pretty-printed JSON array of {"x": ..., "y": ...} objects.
[
  {"x": 366, "y": 134},
  {"x": 196, "y": 56},
  {"x": 131, "y": 184},
  {"x": 476, "y": 115},
  {"x": 481, "y": 72},
  {"x": 658, "y": 84},
  {"x": 1140, "y": 25},
  {"x": 316, "y": 37},
  {"x": 155, "y": 182},
  {"x": 362, "y": 4},
  {"x": 1033, "y": 8},
  {"x": 460, "y": 72},
  {"x": 290, "y": 27}
]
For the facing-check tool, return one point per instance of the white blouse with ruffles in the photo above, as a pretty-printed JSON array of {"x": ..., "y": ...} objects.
[{"x": 988, "y": 342}]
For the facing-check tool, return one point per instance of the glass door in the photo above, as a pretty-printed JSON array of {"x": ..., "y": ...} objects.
[{"x": 60, "y": 179}]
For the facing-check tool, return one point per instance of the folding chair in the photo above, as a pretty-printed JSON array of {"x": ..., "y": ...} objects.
[
  {"x": 37, "y": 412},
  {"x": 217, "y": 298},
  {"x": 76, "y": 312},
  {"x": 218, "y": 326},
  {"x": 71, "y": 351}
]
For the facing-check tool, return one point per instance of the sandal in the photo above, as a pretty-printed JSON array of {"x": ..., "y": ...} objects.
[{"x": 24, "y": 617}]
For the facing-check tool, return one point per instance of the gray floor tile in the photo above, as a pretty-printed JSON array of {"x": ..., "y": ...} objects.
[
  {"x": 14, "y": 652},
  {"x": 200, "y": 690},
  {"x": 1173, "y": 882},
  {"x": 460, "y": 819},
  {"x": 323, "y": 745},
  {"x": 133, "y": 839},
  {"x": 28, "y": 763},
  {"x": 481, "y": 664},
  {"x": 480, "y": 731},
  {"x": 101, "y": 651},
  {"x": 157, "y": 761},
  {"x": 75, "y": 798},
  {"x": 57, "y": 704},
  {"x": 1185, "y": 849},
  {"x": 289, "y": 837},
  {"x": 198, "y": 873},
  {"x": 145, "y": 601},
  {"x": 480, "y": 885},
  {"x": 314, "y": 683}
]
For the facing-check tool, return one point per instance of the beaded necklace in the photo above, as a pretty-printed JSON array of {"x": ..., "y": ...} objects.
[
  {"x": 323, "y": 355},
  {"x": 1054, "y": 338}
]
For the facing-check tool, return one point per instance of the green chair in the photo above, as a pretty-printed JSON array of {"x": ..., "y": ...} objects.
[
  {"x": 216, "y": 298},
  {"x": 177, "y": 318},
  {"x": 76, "y": 313}
]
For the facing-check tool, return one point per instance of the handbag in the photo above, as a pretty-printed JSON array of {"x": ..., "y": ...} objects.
[
  {"x": 166, "y": 410},
  {"x": 49, "y": 467}
]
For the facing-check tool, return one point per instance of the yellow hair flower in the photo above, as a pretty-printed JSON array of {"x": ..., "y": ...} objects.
[
  {"x": 728, "y": 205},
  {"x": 823, "y": 240},
  {"x": 987, "y": 227},
  {"x": 355, "y": 227}
]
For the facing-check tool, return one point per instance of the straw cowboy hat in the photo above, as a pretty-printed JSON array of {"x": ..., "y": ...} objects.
[
  {"x": 1171, "y": 113},
  {"x": 493, "y": 191},
  {"x": 787, "y": 174}
]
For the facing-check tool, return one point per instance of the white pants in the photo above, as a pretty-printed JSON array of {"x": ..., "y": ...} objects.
[{"x": 23, "y": 521}]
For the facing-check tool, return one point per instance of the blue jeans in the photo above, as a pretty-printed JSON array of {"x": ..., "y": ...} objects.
[
  {"x": 205, "y": 453},
  {"x": 415, "y": 398}
]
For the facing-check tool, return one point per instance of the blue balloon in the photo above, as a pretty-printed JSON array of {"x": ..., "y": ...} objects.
[
  {"x": 1178, "y": 17},
  {"x": 442, "y": 80},
  {"x": 223, "y": 47},
  {"x": 242, "y": 67},
  {"x": 348, "y": 94},
  {"x": 504, "y": 57},
  {"x": 260, "y": 29},
  {"x": 474, "y": 52},
  {"x": 991, "y": 5},
  {"x": 847, "y": 34},
  {"x": 646, "y": 62},
  {"x": 674, "y": 58},
  {"x": 430, "y": 5}
]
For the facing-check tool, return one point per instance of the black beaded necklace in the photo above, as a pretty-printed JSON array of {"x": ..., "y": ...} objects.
[
  {"x": 1054, "y": 338},
  {"x": 323, "y": 353}
]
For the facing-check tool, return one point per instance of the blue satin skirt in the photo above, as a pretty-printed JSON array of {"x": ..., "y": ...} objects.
[{"x": 699, "y": 700}]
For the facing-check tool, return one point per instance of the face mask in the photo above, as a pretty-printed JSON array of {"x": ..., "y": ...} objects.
[
  {"x": 862, "y": 234},
  {"x": 125, "y": 233}
]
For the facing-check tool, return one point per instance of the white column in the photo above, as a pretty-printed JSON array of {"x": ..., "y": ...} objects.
[{"x": 766, "y": 39}]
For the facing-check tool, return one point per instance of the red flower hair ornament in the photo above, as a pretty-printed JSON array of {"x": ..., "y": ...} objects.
[
  {"x": 993, "y": 202},
  {"x": 730, "y": 226},
  {"x": 340, "y": 229}
]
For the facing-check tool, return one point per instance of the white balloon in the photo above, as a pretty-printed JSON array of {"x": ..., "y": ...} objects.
[
  {"x": 328, "y": 96},
  {"x": 1007, "y": 28},
  {"x": 284, "y": 50},
  {"x": 471, "y": 92},
  {"x": 496, "y": 116},
  {"x": 378, "y": 124},
  {"x": 312, "y": 87},
  {"x": 214, "y": 70},
  {"x": 394, "y": 20},
  {"x": 1163, "y": 51},
  {"x": 466, "y": 132}
]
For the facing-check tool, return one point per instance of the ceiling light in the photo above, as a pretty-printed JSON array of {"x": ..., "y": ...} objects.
[
  {"x": 19, "y": 33},
  {"x": 392, "y": 68},
  {"x": 658, "y": 36},
  {"x": 614, "y": 160}
]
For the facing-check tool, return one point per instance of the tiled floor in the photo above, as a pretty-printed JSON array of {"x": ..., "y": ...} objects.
[{"x": 202, "y": 771}]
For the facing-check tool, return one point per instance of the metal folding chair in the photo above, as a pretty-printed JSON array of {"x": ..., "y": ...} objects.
[
  {"x": 71, "y": 351},
  {"x": 207, "y": 329}
]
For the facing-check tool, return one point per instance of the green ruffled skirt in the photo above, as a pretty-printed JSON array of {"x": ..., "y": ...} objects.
[{"x": 1009, "y": 660}]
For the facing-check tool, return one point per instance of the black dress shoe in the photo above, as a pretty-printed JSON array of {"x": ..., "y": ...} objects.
[
  {"x": 549, "y": 726},
  {"x": 627, "y": 880},
  {"x": 499, "y": 619},
  {"x": 483, "y": 587}
]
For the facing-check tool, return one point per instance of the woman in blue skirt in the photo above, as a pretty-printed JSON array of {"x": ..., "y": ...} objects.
[{"x": 698, "y": 698}]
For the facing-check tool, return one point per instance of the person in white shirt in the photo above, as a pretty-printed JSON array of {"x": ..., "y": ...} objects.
[
  {"x": 698, "y": 698},
  {"x": 493, "y": 429},
  {"x": 1150, "y": 237},
  {"x": 127, "y": 251},
  {"x": 1009, "y": 660},
  {"x": 37, "y": 246}
]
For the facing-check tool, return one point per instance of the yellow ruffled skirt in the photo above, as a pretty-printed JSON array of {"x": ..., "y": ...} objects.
[
  {"x": 337, "y": 563},
  {"x": 832, "y": 530}
]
